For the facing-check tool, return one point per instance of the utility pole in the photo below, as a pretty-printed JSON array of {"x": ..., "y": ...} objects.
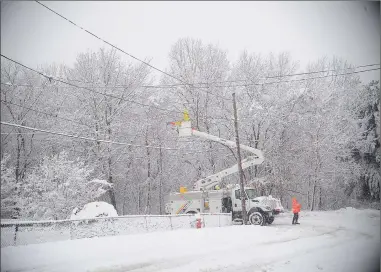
[{"x": 243, "y": 194}]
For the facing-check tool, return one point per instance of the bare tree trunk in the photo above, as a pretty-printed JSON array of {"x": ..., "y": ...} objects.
[
  {"x": 139, "y": 199},
  {"x": 161, "y": 183},
  {"x": 308, "y": 192},
  {"x": 313, "y": 196},
  {"x": 18, "y": 158},
  {"x": 23, "y": 167},
  {"x": 148, "y": 206},
  {"x": 109, "y": 159},
  {"x": 316, "y": 169}
]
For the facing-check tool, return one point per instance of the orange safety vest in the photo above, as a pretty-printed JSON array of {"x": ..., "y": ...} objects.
[{"x": 295, "y": 206}]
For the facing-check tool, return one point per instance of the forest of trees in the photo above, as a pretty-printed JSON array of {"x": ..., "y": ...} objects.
[{"x": 319, "y": 131}]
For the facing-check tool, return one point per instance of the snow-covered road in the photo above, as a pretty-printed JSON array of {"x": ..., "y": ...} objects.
[{"x": 346, "y": 240}]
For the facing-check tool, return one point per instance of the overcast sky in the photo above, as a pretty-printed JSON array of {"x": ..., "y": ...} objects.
[{"x": 308, "y": 30}]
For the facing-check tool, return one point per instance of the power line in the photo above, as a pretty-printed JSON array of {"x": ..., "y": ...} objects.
[
  {"x": 161, "y": 71},
  {"x": 153, "y": 67},
  {"x": 237, "y": 85},
  {"x": 84, "y": 138},
  {"x": 117, "y": 48},
  {"x": 217, "y": 82},
  {"x": 80, "y": 87},
  {"x": 49, "y": 114},
  {"x": 96, "y": 140},
  {"x": 128, "y": 54},
  {"x": 252, "y": 84},
  {"x": 295, "y": 74},
  {"x": 66, "y": 119},
  {"x": 162, "y": 140},
  {"x": 142, "y": 86},
  {"x": 241, "y": 85},
  {"x": 71, "y": 120},
  {"x": 16, "y": 85},
  {"x": 301, "y": 79}
]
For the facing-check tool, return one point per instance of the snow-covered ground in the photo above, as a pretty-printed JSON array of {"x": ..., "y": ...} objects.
[
  {"x": 34, "y": 232},
  {"x": 345, "y": 240}
]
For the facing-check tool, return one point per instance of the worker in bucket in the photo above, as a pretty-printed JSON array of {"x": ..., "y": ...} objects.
[{"x": 295, "y": 209}]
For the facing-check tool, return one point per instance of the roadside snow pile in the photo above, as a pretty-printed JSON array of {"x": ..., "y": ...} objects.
[
  {"x": 352, "y": 210},
  {"x": 330, "y": 242},
  {"x": 348, "y": 210},
  {"x": 94, "y": 209}
]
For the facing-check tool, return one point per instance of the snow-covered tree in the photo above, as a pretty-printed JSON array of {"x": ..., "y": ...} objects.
[
  {"x": 10, "y": 201},
  {"x": 367, "y": 147},
  {"x": 57, "y": 186},
  {"x": 320, "y": 136},
  {"x": 107, "y": 109}
]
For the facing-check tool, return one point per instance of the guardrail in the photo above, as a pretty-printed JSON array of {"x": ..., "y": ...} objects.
[{"x": 15, "y": 233}]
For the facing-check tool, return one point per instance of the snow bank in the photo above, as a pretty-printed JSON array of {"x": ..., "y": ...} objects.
[
  {"x": 318, "y": 244},
  {"x": 351, "y": 210},
  {"x": 94, "y": 209},
  {"x": 33, "y": 232}
]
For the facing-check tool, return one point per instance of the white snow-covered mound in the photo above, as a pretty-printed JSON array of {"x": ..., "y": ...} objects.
[
  {"x": 94, "y": 209},
  {"x": 355, "y": 212},
  {"x": 327, "y": 242}
]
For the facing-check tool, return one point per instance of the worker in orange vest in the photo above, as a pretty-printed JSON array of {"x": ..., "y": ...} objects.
[{"x": 295, "y": 209}]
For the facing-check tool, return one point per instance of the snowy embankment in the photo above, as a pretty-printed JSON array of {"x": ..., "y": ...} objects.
[
  {"x": 34, "y": 232},
  {"x": 345, "y": 240}
]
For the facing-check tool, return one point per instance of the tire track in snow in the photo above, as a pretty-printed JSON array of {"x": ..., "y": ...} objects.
[
  {"x": 269, "y": 247},
  {"x": 339, "y": 241},
  {"x": 172, "y": 265}
]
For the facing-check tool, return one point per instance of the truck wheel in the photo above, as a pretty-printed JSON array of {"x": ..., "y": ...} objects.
[
  {"x": 256, "y": 218},
  {"x": 270, "y": 220}
]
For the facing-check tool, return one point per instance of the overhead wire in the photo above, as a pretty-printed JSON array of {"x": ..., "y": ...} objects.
[
  {"x": 184, "y": 83},
  {"x": 115, "y": 47},
  {"x": 87, "y": 138},
  {"x": 243, "y": 85},
  {"x": 222, "y": 86},
  {"x": 50, "y": 78},
  {"x": 300, "y": 79},
  {"x": 124, "y": 52},
  {"x": 84, "y": 138},
  {"x": 115, "y": 97},
  {"x": 49, "y": 114},
  {"x": 16, "y": 85},
  {"x": 294, "y": 74},
  {"x": 144, "y": 62},
  {"x": 71, "y": 120},
  {"x": 238, "y": 80}
]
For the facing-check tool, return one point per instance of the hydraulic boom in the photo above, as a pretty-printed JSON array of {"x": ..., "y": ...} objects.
[{"x": 185, "y": 130}]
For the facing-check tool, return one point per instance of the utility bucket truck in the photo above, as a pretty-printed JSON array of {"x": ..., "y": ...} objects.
[{"x": 208, "y": 197}]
